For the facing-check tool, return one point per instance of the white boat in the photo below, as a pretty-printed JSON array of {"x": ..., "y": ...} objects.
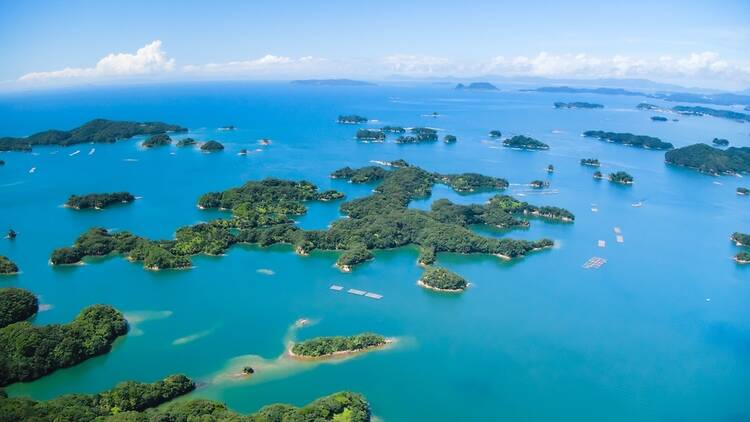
[
  {"x": 93, "y": 150},
  {"x": 33, "y": 169},
  {"x": 637, "y": 204},
  {"x": 75, "y": 153}
]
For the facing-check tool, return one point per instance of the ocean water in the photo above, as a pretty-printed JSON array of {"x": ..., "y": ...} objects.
[{"x": 660, "y": 332}]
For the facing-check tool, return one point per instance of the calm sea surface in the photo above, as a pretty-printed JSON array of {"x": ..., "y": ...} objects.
[{"x": 662, "y": 331}]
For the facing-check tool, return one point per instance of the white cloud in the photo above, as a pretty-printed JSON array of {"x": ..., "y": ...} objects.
[
  {"x": 415, "y": 65},
  {"x": 266, "y": 65},
  {"x": 148, "y": 60}
]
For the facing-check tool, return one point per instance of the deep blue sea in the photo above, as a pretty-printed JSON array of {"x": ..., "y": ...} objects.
[{"x": 660, "y": 332}]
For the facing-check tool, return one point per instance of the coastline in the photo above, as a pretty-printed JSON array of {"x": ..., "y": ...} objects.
[
  {"x": 422, "y": 284},
  {"x": 340, "y": 354}
]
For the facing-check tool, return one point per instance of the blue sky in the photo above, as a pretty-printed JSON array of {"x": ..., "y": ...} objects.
[{"x": 688, "y": 42}]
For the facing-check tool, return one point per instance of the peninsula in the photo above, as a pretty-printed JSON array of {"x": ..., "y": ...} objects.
[
  {"x": 706, "y": 111},
  {"x": 98, "y": 200},
  {"x": 707, "y": 159},
  {"x": 638, "y": 141},
  {"x": 524, "y": 142},
  {"x": 442, "y": 280},
  {"x": 324, "y": 347}
]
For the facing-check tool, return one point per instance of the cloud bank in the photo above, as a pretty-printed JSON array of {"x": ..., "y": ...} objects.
[{"x": 152, "y": 62}]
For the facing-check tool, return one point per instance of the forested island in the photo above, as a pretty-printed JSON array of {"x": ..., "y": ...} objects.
[
  {"x": 366, "y": 174},
  {"x": 159, "y": 140},
  {"x": 7, "y": 266},
  {"x": 743, "y": 191},
  {"x": 524, "y": 142},
  {"x": 142, "y": 402},
  {"x": 578, "y": 104},
  {"x": 706, "y": 111},
  {"x": 741, "y": 239},
  {"x": 495, "y": 134},
  {"x": 592, "y": 162},
  {"x": 659, "y": 118},
  {"x": 30, "y": 352},
  {"x": 330, "y": 346},
  {"x": 186, "y": 142},
  {"x": 647, "y": 106},
  {"x": 98, "y": 130},
  {"x": 621, "y": 177},
  {"x": 742, "y": 258},
  {"x": 331, "y": 82},
  {"x": 450, "y": 139},
  {"x": 720, "y": 142},
  {"x": 98, "y": 200},
  {"x": 707, "y": 159},
  {"x": 442, "y": 280},
  {"x": 16, "y": 305},
  {"x": 370, "y": 135},
  {"x": 477, "y": 86},
  {"x": 393, "y": 129},
  {"x": 639, "y": 141},
  {"x": 212, "y": 146},
  {"x": 539, "y": 184},
  {"x": 262, "y": 211},
  {"x": 352, "y": 119},
  {"x": 598, "y": 175},
  {"x": 420, "y": 135}
]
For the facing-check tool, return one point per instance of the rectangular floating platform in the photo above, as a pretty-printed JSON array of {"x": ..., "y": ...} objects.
[
  {"x": 617, "y": 230},
  {"x": 620, "y": 239},
  {"x": 594, "y": 209},
  {"x": 356, "y": 292},
  {"x": 373, "y": 295},
  {"x": 336, "y": 287},
  {"x": 601, "y": 243},
  {"x": 594, "y": 262}
]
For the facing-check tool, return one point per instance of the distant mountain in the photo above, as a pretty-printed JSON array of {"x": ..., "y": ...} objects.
[
  {"x": 477, "y": 86},
  {"x": 681, "y": 97},
  {"x": 332, "y": 82},
  {"x": 601, "y": 91}
]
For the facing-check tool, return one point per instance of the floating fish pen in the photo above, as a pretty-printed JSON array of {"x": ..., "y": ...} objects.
[
  {"x": 594, "y": 262},
  {"x": 594, "y": 209},
  {"x": 617, "y": 230},
  {"x": 373, "y": 295},
  {"x": 336, "y": 287},
  {"x": 620, "y": 239},
  {"x": 356, "y": 292},
  {"x": 601, "y": 244}
]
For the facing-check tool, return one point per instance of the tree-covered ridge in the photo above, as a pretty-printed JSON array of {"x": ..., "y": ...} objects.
[
  {"x": 212, "y": 146},
  {"x": 7, "y": 266},
  {"x": 98, "y": 200},
  {"x": 639, "y": 141},
  {"x": 706, "y": 111},
  {"x": 707, "y": 159},
  {"x": 159, "y": 140},
  {"x": 98, "y": 130},
  {"x": 16, "y": 305},
  {"x": 352, "y": 119},
  {"x": 577, "y": 104},
  {"x": 621, "y": 177},
  {"x": 361, "y": 175},
  {"x": 442, "y": 279},
  {"x": 327, "y": 346},
  {"x": 524, "y": 142},
  {"x": 30, "y": 352}
]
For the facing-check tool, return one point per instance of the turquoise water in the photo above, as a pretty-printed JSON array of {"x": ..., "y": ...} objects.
[{"x": 536, "y": 339}]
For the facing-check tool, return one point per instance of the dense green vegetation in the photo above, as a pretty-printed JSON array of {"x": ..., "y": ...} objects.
[
  {"x": 326, "y": 346},
  {"x": 659, "y": 118},
  {"x": 578, "y": 105},
  {"x": 442, "y": 279},
  {"x": 420, "y": 134},
  {"x": 158, "y": 140},
  {"x": 707, "y": 159},
  {"x": 393, "y": 129},
  {"x": 186, "y": 142},
  {"x": 524, "y": 142},
  {"x": 539, "y": 184},
  {"x": 598, "y": 175},
  {"x": 743, "y": 191},
  {"x": 7, "y": 266},
  {"x": 470, "y": 182},
  {"x": 30, "y": 352},
  {"x": 449, "y": 139},
  {"x": 361, "y": 175},
  {"x": 593, "y": 162},
  {"x": 640, "y": 141},
  {"x": 621, "y": 177},
  {"x": 356, "y": 255},
  {"x": 550, "y": 168},
  {"x": 496, "y": 134},
  {"x": 352, "y": 119},
  {"x": 706, "y": 111},
  {"x": 98, "y": 130},
  {"x": 477, "y": 86},
  {"x": 741, "y": 239},
  {"x": 98, "y": 200},
  {"x": 370, "y": 135},
  {"x": 212, "y": 146},
  {"x": 742, "y": 257},
  {"x": 16, "y": 305},
  {"x": 720, "y": 142}
]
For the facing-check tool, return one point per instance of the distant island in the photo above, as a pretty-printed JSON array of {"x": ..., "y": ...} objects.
[
  {"x": 742, "y": 258},
  {"x": 351, "y": 119},
  {"x": 741, "y": 239},
  {"x": 659, "y": 118},
  {"x": 7, "y": 267},
  {"x": 524, "y": 142},
  {"x": 647, "y": 106},
  {"x": 743, "y": 191},
  {"x": 571, "y": 90},
  {"x": 51, "y": 347},
  {"x": 578, "y": 105},
  {"x": 227, "y": 127},
  {"x": 98, "y": 131},
  {"x": 159, "y": 140},
  {"x": 495, "y": 134},
  {"x": 186, "y": 142},
  {"x": 367, "y": 174},
  {"x": 539, "y": 184},
  {"x": 321, "y": 347},
  {"x": 370, "y": 135},
  {"x": 593, "y": 162},
  {"x": 332, "y": 82},
  {"x": 638, "y": 141},
  {"x": 442, "y": 280},
  {"x": 420, "y": 135},
  {"x": 393, "y": 129},
  {"x": 720, "y": 142},
  {"x": 598, "y": 175},
  {"x": 98, "y": 200},
  {"x": 450, "y": 139},
  {"x": 212, "y": 146},
  {"x": 706, "y": 111},
  {"x": 707, "y": 159},
  {"x": 621, "y": 177},
  {"x": 477, "y": 86},
  {"x": 16, "y": 305},
  {"x": 685, "y": 97}
]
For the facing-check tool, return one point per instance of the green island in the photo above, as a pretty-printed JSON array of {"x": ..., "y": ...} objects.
[
  {"x": 186, "y": 142},
  {"x": 539, "y": 184},
  {"x": 720, "y": 142},
  {"x": 393, "y": 129},
  {"x": 7, "y": 266},
  {"x": 159, "y": 140},
  {"x": 707, "y": 159},
  {"x": 212, "y": 146},
  {"x": 98, "y": 130},
  {"x": 450, "y": 139},
  {"x": 30, "y": 352},
  {"x": 98, "y": 200},
  {"x": 706, "y": 111},
  {"x": 135, "y": 401},
  {"x": 592, "y": 162},
  {"x": 524, "y": 142},
  {"x": 578, "y": 104},
  {"x": 477, "y": 86},
  {"x": 420, "y": 134},
  {"x": 743, "y": 191},
  {"x": 598, "y": 175},
  {"x": 370, "y": 135},
  {"x": 550, "y": 168},
  {"x": 647, "y": 106},
  {"x": 741, "y": 239},
  {"x": 621, "y": 177},
  {"x": 495, "y": 134},
  {"x": 337, "y": 345},
  {"x": 639, "y": 141},
  {"x": 351, "y": 119},
  {"x": 261, "y": 214},
  {"x": 442, "y": 280},
  {"x": 659, "y": 118},
  {"x": 16, "y": 305},
  {"x": 742, "y": 258}
]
